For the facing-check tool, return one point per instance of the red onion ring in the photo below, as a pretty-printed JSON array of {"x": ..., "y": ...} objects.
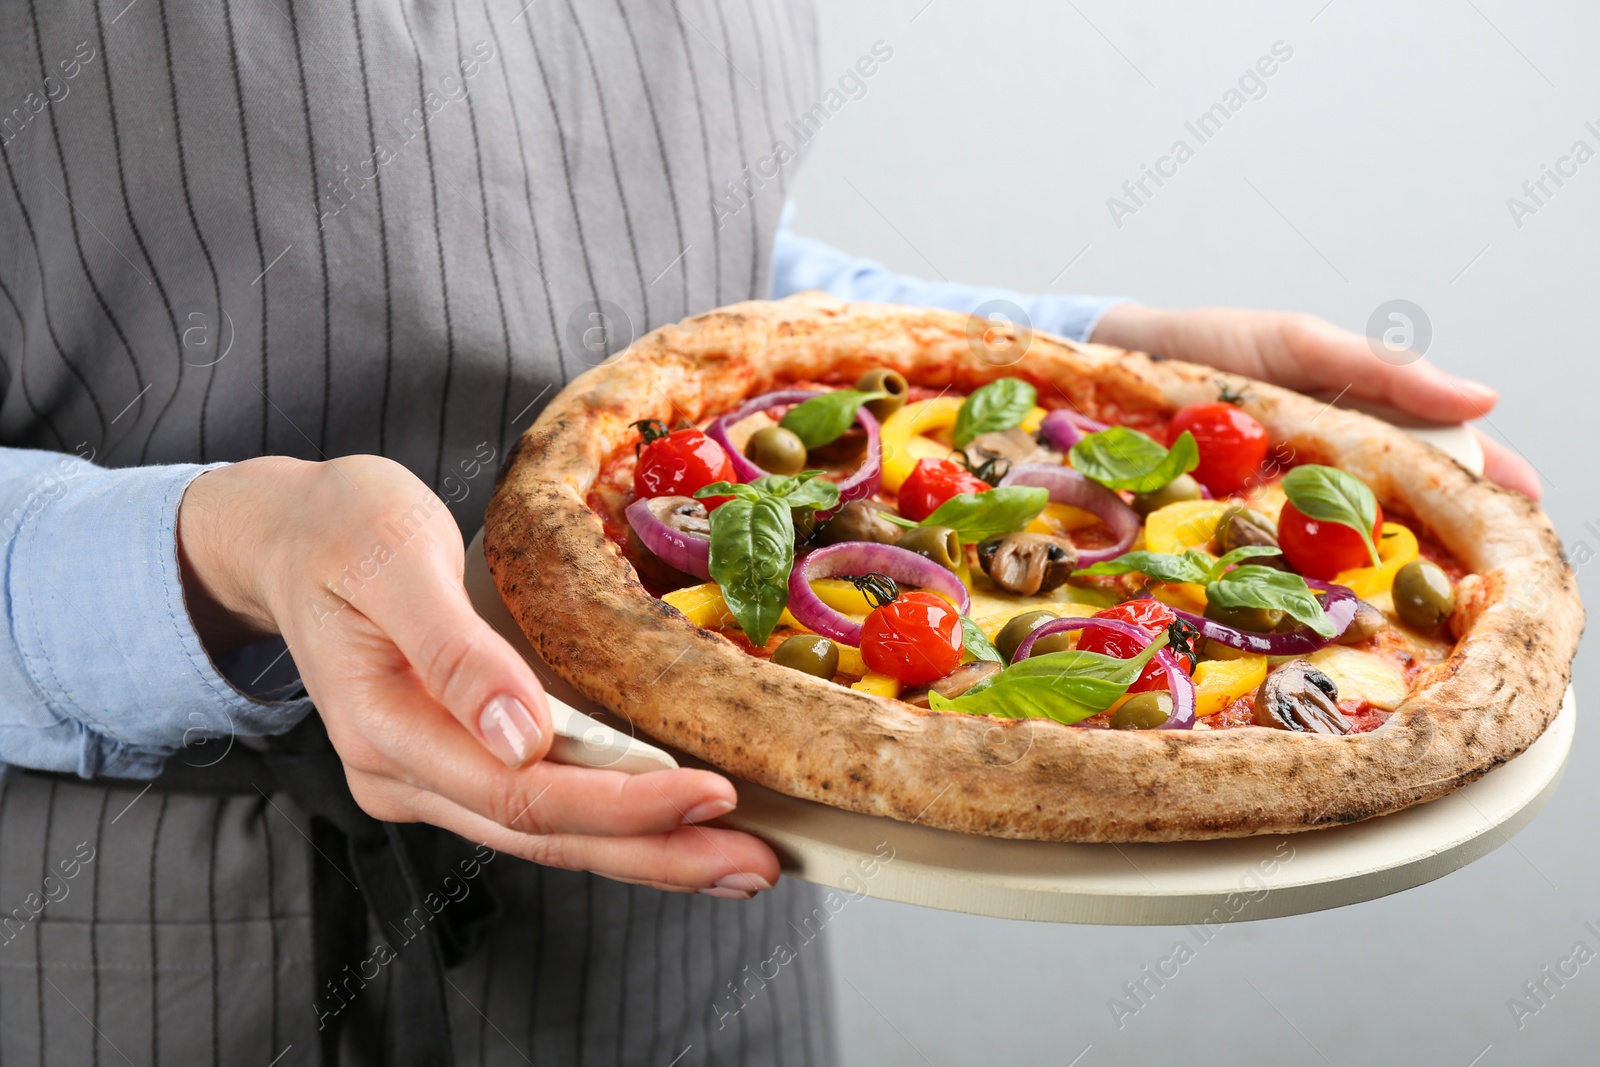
[
  {"x": 863, "y": 557},
  {"x": 686, "y": 552},
  {"x": 862, "y": 482},
  {"x": 1064, "y": 428},
  {"x": 1178, "y": 680},
  {"x": 1067, "y": 486},
  {"x": 1339, "y": 605}
]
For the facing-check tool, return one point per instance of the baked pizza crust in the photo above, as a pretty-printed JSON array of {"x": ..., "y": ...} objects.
[{"x": 582, "y": 606}]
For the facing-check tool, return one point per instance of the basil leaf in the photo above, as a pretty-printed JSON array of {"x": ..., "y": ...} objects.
[
  {"x": 1122, "y": 458},
  {"x": 1067, "y": 687},
  {"x": 976, "y": 643},
  {"x": 1244, "y": 552},
  {"x": 1000, "y": 405},
  {"x": 825, "y": 418},
  {"x": 1192, "y": 566},
  {"x": 752, "y": 552},
  {"x": 1254, "y": 586},
  {"x": 975, "y": 516},
  {"x": 1328, "y": 494},
  {"x": 736, "y": 489}
]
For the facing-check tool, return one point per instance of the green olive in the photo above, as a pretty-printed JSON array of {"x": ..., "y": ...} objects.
[
  {"x": 1253, "y": 620},
  {"x": 938, "y": 543},
  {"x": 1423, "y": 595},
  {"x": 880, "y": 380},
  {"x": 1012, "y": 633},
  {"x": 1052, "y": 643},
  {"x": 1183, "y": 487},
  {"x": 809, "y": 654},
  {"x": 1143, "y": 711},
  {"x": 776, "y": 450}
]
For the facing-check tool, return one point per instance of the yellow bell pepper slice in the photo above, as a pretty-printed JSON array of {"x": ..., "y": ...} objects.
[
  {"x": 1190, "y": 596},
  {"x": 1057, "y": 519},
  {"x": 1184, "y": 525},
  {"x": 1396, "y": 547},
  {"x": 900, "y": 431},
  {"x": 850, "y": 661},
  {"x": 703, "y": 605},
  {"x": 904, "y": 443},
  {"x": 1219, "y": 682},
  {"x": 879, "y": 685}
]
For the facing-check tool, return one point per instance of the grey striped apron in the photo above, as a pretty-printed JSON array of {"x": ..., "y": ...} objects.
[{"x": 243, "y": 227}]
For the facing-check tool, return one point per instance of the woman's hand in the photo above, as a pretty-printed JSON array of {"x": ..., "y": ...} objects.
[
  {"x": 1309, "y": 354},
  {"x": 437, "y": 719}
]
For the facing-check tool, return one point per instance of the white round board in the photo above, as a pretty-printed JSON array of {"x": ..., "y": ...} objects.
[{"x": 1205, "y": 882}]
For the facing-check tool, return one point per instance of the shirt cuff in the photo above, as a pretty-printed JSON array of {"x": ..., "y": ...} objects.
[{"x": 103, "y": 633}]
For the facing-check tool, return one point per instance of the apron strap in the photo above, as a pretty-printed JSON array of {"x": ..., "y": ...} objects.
[{"x": 395, "y": 872}]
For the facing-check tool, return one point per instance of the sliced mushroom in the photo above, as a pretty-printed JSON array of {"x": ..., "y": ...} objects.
[
  {"x": 953, "y": 684},
  {"x": 683, "y": 513},
  {"x": 1027, "y": 563},
  {"x": 1368, "y": 620},
  {"x": 859, "y": 520},
  {"x": 1299, "y": 697},
  {"x": 1013, "y": 446}
]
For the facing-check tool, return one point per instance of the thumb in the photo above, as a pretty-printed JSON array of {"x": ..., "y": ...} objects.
[{"x": 463, "y": 663}]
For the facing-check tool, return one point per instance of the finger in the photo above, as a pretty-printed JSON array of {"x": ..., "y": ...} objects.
[
  {"x": 1505, "y": 467},
  {"x": 1338, "y": 359},
  {"x": 421, "y": 604},
  {"x": 713, "y": 860},
  {"x": 434, "y": 753}
]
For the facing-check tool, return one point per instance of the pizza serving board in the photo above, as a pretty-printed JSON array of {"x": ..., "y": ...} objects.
[{"x": 1129, "y": 884}]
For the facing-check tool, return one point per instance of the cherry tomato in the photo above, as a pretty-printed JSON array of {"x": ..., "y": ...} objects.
[
  {"x": 679, "y": 463},
  {"x": 1149, "y": 615},
  {"x": 1232, "y": 444},
  {"x": 1322, "y": 549},
  {"x": 931, "y": 483},
  {"x": 915, "y": 638}
]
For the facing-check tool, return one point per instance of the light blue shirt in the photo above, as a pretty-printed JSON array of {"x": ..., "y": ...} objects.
[{"x": 101, "y": 670}]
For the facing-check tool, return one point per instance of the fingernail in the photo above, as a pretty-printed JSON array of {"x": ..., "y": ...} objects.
[
  {"x": 727, "y": 894},
  {"x": 749, "y": 883},
  {"x": 1473, "y": 390},
  {"x": 509, "y": 730},
  {"x": 709, "y": 810}
]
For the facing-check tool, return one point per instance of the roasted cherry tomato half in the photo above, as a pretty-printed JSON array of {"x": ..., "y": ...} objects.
[
  {"x": 1149, "y": 615},
  {"x": 1322, "y": 549},
  {"x": 915, "y": 638},
  {"x": 679, "y": 463},
  {"x": 1232, "y": 444},
  {"x": 931, "y": 483}
]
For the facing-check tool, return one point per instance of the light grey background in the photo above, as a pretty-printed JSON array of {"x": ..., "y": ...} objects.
[{"x": 1381, "y": 157}]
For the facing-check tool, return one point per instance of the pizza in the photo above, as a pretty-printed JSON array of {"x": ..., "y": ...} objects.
[{"x": 919, "y": 565}]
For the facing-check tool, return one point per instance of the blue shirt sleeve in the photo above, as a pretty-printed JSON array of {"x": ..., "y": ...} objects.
[
  {"x": 802, "y": 263},
  {"x": 101, "y": 670}
]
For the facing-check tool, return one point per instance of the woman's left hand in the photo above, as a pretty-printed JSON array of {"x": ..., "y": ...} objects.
[{"x": 1309, "y": 354}]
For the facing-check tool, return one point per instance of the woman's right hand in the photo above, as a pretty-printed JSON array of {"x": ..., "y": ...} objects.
[{"x": 436, "y": 718}]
